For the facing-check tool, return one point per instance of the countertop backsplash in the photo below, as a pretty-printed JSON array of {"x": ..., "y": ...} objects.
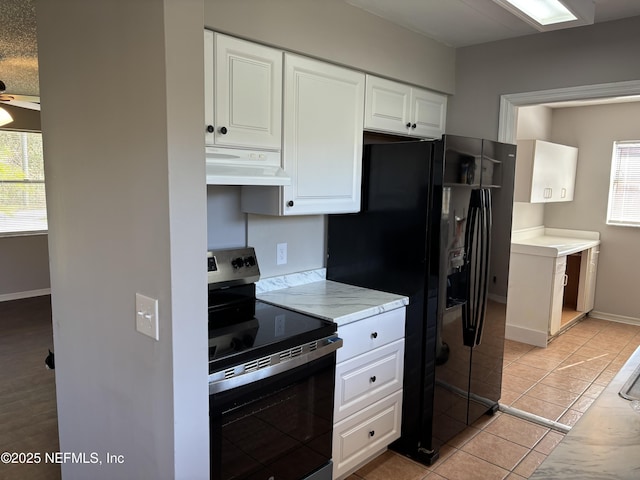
[{"x": 290, "y": 280}]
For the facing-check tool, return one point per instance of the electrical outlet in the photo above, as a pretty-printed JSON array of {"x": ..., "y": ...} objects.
[
  {"x": 147, "y": 316},
  {"x": 281, "y": 254}
]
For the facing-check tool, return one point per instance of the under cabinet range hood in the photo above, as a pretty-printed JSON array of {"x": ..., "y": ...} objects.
[{"x": 234, "y": 166}]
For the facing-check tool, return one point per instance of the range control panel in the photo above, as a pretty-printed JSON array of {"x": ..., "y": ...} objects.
[{"x": 234, "y": 266}]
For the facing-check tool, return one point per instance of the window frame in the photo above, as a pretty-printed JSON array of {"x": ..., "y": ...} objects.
[
  {"x": 21, "y": 233},
  {"x": 618, "y": 178}
]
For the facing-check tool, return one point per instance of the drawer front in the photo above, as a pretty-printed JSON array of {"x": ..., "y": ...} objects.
[
  {"x": 372, "y": 332},
  {"x": 366, "y": 434},
  {"x": 368, "y": 378}
]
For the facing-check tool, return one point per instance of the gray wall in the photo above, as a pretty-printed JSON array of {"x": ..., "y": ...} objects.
[
  {"x": 533, "y": 123},
  {"x": 25, "y": 266},
  {"x": 336, "y": 31},
  {"x": 593, "y": 130},
  {"x": 599, "y": 53},
  {"x": 122, "y": 108}
]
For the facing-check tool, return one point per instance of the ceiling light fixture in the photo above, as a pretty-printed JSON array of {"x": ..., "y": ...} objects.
[
  {"x": 545, "y": 12},
  {"x": 547, "y": 15}
]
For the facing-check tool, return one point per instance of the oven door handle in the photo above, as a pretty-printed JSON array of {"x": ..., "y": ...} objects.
[{"x": 271, "y": 365}]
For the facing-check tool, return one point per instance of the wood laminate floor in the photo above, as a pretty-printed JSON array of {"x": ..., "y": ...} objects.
[{"x": 28, "y": 416}]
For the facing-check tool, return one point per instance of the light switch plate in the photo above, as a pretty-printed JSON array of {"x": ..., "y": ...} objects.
[{"x": 147, "y": 316}]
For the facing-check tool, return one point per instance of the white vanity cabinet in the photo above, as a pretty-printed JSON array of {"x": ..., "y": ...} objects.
[
  {"x": 394, "y": 107},
  {"x": 322, "y": 142},
  {"x": 545, "y": 172},
  {"x": 243, "y": 93},
  {"x": 368, "y": 390}
]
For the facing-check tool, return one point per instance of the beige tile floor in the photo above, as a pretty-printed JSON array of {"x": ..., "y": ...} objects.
[{"x": 559, "y": 382}]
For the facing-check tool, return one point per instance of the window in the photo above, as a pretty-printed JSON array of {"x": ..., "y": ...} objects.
[
  {"x": 22, "y": 200},
  {"x": 624, "y": 189}
]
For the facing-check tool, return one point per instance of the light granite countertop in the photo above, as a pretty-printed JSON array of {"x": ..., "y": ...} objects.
[
  {"x": 552, "y": 242},
  {"x": 334, "y": 301},
  {"x": 605, "y": 443}
]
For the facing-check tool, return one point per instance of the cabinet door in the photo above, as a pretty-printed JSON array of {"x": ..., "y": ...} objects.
[
  {"x": 428, "y": 113},
  {"x": 544, "y": 172},
  {"x": 248, "y": 94},
  {"x": 565, "y": 179},
  {"x": 323, "y": 123},
  {"x": 559, "y": 282},
  {"x": 370, "y": 333},
  {"x": 368, "y": 378},
  {"x": 587, "y": 285},
  {"x": 209, "y": 85},
  {"x": 366, "y": 434},
  {"x": 387, "y": 106}
]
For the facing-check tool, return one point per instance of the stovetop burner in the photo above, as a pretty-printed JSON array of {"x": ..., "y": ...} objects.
[{"x": 242, "y": 328}]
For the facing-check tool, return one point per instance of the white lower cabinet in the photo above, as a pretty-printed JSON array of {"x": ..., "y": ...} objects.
[
  {"x": 368, "y": 390},
  {"x": 368, "y": 378},
  {"x": 546, "y": 294},
  {"x": 364, "y": 435}
]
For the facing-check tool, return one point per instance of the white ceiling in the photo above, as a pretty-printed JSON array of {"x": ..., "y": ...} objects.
[{"x": 461, "y": 23}]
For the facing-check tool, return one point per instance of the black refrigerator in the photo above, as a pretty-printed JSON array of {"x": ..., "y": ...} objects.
[{"x": 435, "y": 225}]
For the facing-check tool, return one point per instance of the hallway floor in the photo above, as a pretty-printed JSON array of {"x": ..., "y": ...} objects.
[
  {"x": 559, "y": 383},
  {"x": 28, "y": 414}
]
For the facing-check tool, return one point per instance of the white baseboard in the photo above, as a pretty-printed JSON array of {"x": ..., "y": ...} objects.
[
  {"x": 614, "y": 318},
  {"x": 526, "y": 335},
  {"x": 28, "y": 294}
]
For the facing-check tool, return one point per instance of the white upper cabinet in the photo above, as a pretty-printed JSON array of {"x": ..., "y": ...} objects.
[
  {"x": 243, "y": 93},
  {"x": 545, "y": 172},
  {"x": 393, "y": 107},
  {"x": 322, "y": 142}
]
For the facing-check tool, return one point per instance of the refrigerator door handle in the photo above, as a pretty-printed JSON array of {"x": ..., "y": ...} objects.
[
  {"x": 485, "y": 257},
  {"x": 468, "y": 309},
  {"x": 477, "y": 249}
]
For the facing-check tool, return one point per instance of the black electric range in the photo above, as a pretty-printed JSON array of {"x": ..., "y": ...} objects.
[{"x": 242, "y": 328}]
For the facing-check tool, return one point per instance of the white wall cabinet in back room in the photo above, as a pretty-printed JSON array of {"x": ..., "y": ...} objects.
[
  {"x": 322, "y": 142},
  {"x": 394, "y": 107},
  {"x": 545, "y": 172},
  {"x": 243, "y": 93}
]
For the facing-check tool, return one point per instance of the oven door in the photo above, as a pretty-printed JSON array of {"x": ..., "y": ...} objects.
[{"x": 275, "y": 428}]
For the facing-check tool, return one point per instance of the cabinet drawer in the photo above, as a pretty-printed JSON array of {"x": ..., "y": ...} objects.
[
  {"x": 372, "y": 332},
  {"x": 366, "y": 434},
  {"x": 368, "y": 378}
]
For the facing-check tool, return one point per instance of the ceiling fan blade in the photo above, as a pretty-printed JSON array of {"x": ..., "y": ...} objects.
[
  {"x": 20, "y": 101},
  {"x": 22, "y": 104}
]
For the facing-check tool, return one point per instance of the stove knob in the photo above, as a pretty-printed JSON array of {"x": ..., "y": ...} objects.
[
  {"x": 237, "y": 262},
  {"x": 248, "y": 340},
  {"x": 250, "y": 261}
]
